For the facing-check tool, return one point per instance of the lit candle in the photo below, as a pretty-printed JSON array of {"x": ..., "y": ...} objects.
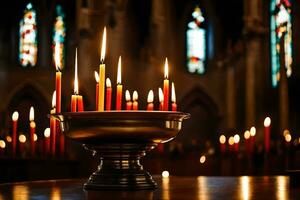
[
  {"x": 135, "y": 104},
  {"x": 80, "y": 103},
  {"x": 267, "y": 125},
  {"x": 2, "y": 147},
  {"x": 236, "y": 142},
  {"x": 119, "y": 87},
  {"x": 53, "y": 126},
  {"x": 166, "y": 87},
  {"x": 128, "y": 100},
  {"x": 32, "y": 130},
  {"x": 97, "y": 88},
  {"x": 108, "y": 94},
  {"x": 247, "y": 136},
  {"x": 231, "y": 143},
  {"x": 47, "y": 140},
  {"x": 15, "y": 117},
  {"x": 287, "y": 137},
  {"x": 58, "y": 80},
  {"x": 150, "y": 101},
  {"x": 22, "y": 141},
  {"x": 173, "y": 98},
  {"x": 252, "y": 138},
  {"x": 161, "y": 98},
  {"x": 222, "y": 141},
  {"x": 102, "y": 73}
]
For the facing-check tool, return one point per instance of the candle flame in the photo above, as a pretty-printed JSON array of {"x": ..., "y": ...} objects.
[
  {"x": 57, "y": 57},
  {"x": 8, "y": 139},
  {"x": 97, "y": 77},
  {"x": 236, "y": 138},
  {"x": 285, "y": 132},
  {"x": 22, "y": 138},
  {"x": 288, "y": 137},
  {"x": 166, "y": 69},
  {"x": 76, "y": 75},
  {"x": 35, "y": 137},
  {"x": 31, "y": 114},
  {"x": 173, "y": 97},
  {"x": 247, "y": 134},
  {"x": 252, "y": 131},
  {"x": 119, "y": 71},
  {"x": 222, "y": 139},
  {"x": 54, "y": 99},
  {"x": 108, "y": 83},
  {"x": 127, "y": 95},
  {"x": 2, "y": 144},
  {"x": 150, "y": 97},
  {"x": 267, "y": 122},
  {"x": 160, "y": 95},
  {"x": 135, "y": 95},
  {"x": 47, "y": 132},
  {"x": 15, "y": 116},
  {"x": 103, "y": 48},
  {"x": 231, "y": 140}
]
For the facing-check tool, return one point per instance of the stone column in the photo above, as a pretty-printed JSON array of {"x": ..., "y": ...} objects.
[{"x": 283, "y": 89}]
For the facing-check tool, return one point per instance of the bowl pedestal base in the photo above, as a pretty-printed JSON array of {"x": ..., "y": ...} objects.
[{"x": 120, "y": 167}]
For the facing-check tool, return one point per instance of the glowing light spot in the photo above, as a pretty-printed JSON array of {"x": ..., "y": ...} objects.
[
  {"x": 202, "y": 159},
  {"x": 165, "y": 174}
]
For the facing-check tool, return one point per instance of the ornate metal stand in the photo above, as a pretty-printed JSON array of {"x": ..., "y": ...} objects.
[{"x": 121, "y": 139}]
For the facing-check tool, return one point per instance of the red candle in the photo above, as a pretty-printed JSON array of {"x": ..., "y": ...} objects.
[
  {"x": 22, "y": 141},
  {"x": 73, "y": 103},
  {"x": 108, "y": 94},
  {"x": 62, "y": 144},
  {"x": 58, "y": 79},
  {"x": 97, "y": 89},
  {"x": 166, "y": 87},
  {"x": 53, "y": 132},
  {"x": 80, "y": 103},
  {"x": 247, "y": 141},
  {"x": 32, "y": 131},
  {"x": 135, "y": 104},
  {"x": 236, "y": 139},
  {"x": 222, "y": 141},
  {"x": 15, "y": 117},
  {"x": 161, "y": 99},
  {"x": 119, "y": 87},
  {"x": 267, "y": 125},
  {"x": 47, "y": 133},
  {"x": 150, "y": 101},
  {"x": 128, "y": 100},
  {"x": 252, "y": 138},
  {"x": 173, "y": 98},
  {"x": 2, "y": 147}
]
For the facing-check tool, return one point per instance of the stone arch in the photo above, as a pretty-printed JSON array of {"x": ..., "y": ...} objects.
[
  {"x": 203, "y": 125},
  {"x": 20, "y": 99}
]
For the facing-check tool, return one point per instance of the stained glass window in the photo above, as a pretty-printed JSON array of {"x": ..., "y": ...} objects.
[
  {"x": 196, "y": 43},
  {"x": 280, "y": 22},
  {"x": 59, "y": 34},
  {"x": 28, "y": 37}
]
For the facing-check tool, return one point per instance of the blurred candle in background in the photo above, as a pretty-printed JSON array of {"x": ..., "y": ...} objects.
[
  {"x": 161, "y": 98},
  {"x": 252, "y": 138},
  {"x": 128, "y": 100},
  {"x": 47, "y": 141},
  {"x": 97, "y": 89},
  {"x": 166, "y": 87},
  {"x": 15, "y": 117},
  {"x": 267, "y": 125},
  {"x": 150, "y": 100},
  {"x": 222, "y": 140},
  {"x": 32, "y": 131},
  {"x": 119, "y": 86},
  {"x": 22, "y": 141},
  {"x": 173, "y": 98},
  {"x": 53, "y": 132},
  {"x": 135, "y": 104}
]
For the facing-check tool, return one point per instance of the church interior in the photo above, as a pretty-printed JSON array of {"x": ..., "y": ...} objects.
[{"x": 233, "y": 65}]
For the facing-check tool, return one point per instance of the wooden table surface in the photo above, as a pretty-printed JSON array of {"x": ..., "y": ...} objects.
[{"x": 204, "y": 188}]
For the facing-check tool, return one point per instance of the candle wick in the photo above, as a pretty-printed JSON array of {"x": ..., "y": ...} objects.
[{"x": 102, "y": 61}]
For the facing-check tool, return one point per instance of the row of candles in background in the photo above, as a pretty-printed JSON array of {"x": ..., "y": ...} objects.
[
  {"x": 249, "y": 136},
  {"x": 103, "y": 101}
]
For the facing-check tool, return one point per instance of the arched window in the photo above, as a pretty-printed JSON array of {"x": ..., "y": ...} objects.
[
  {"x": 59, "y": 34},
  {"x": 28, "y": 37},
  {"x": 280, "y": 21},
  {"x": 196, "y": 42}
]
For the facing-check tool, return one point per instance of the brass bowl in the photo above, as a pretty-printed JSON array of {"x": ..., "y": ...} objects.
[{"x": 121, "y": 138}]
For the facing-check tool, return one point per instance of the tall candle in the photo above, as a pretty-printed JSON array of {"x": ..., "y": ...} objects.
[
  {"x": 173, "y": 98},
  {"x": 267, "y": 125},
  {"x": 74, "y": 103},
  {"x": 32, "y": 131},
  {"x": 15, "y": 117},
  {"x": 119, "y": 87},
  {"x": 58, "y": 79},
  {"x": 47, "y": 133},
  {"x": 53, "y": 132},
  {"x": 252, "y": 138},
  {"x": 102, "y": 74},
  {"x": 128, "y": 100},
  {"x": 222, "y": 141},
  {"x": 80, "y": 103},
  {"x": 108, "y": 94},
  {"x": 166, "y": 87},
  {"x": 150, "y": 99},
  {"x": 161, "y": 98},
  {"x": 135, "y": 104},
  {"x": 97, "y": 88}
]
